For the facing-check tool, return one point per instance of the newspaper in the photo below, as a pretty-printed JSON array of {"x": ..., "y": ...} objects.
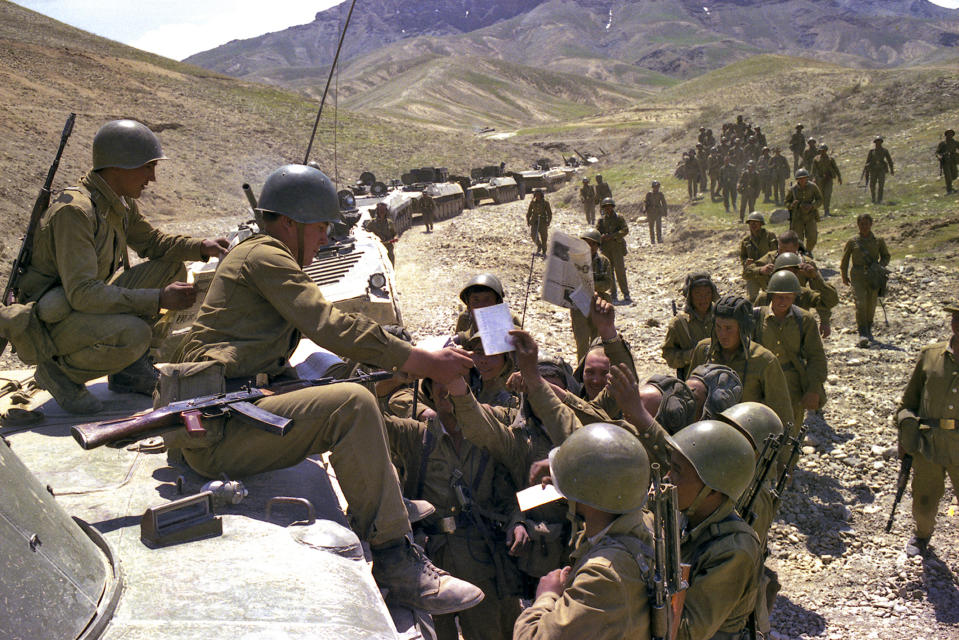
[{"x": 568, "y": 281}]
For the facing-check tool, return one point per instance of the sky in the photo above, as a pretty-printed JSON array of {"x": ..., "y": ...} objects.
[{"x": 179, "y": 28}]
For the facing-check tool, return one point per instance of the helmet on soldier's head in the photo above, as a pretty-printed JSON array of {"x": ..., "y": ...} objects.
[
  {"x": 765, "y": 149},
  {"x": 824, "y": 147},
  {"x": 602, "y": 466},
  {"x": 787, "y": 259},
  {"x": 702, "y": 128},
  {"x": 811, "y": 141},
  {"x": 655, "y": 183},
  {"x": 484, "y": 281},
  {"x": 723, "y": 387},
  {"x": 585, "y": 179},
  {"x": 751, "y": 163},
  {"x": 607, "y": 202},
  {"x": 783, "y": 281},
  {"x": 721, "y": 455},
  {"x": 125, "y": 144},
  {"x": 755, "y": 216},
  {"x": 599, "y": 177},
  {"x": 878, "y": 139},
  {"x": 755, "y": 420},
  {"x": 950, "y": 133},
  {"x": 591, "y": 235},
  {"x": 802, "y": 173},
  {"x": 301, "y": 193},
  {"x": 799, "y": 126}
]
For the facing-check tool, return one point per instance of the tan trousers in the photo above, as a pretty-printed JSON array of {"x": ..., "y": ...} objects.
[
  {"x": 341, "y": 418},
  {"x": 807, "y": 228},
  {"x": 589, "y": 208},
  {"x": 928, "y": 487},
  {"x": 539, "y": 232},
  {"x": 826, "y": 189},
  {"x": 866, "y": 299},
  {"x": 583, "y": 332},
  {"x": 91, "y": 345},
  {"x": 618, "y": 260}
]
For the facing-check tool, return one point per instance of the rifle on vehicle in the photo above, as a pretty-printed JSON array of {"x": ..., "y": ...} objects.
[
  {"x": 904, "y": 468},
  {"x": 670, "y": 575},
  {"x": 192, "y": 412},
  {"x": 40, "y": 205}
]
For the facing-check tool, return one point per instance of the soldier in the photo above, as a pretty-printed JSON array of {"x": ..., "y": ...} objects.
[
  {"x": 948, "y": 154},
  {"x": 792, "y": 335},
  {"x": 584, "y": 331},
  {"x": 602, "y": 189},
  {"x": 731, "y": 345},
  {"x": 809, "y": 154},
  {"x": 691, "y": 172},
  {"x": 695, "y": 323},
  {"x": 760, "y": 136},
  {"x": 715, "y": 165},
  {"x": 483, "y": 290},
  {"x": 815, "y": 292},
  {"x": 878, "y": 162},
  {"x": 862, "y": 252},
  {"x": 603, "y": 471},
  {"x": 927, "y": 418},
  {"x": 728, "y": 178},
  {"x": 748, "y": 188},
  {"x": 764, "y": 168},
  {"x": 759, "y": 242},
  {"x": 489, "y": 375},
  {"x": 701, "y": 138},
  {"x": 100, "y": 324},
  {"x": 779, "y": 173},
  {"x": 538, "y": 217},
  {"x": 655, "y": 208},
  {"x": 824, "y": 171},
  {"x": 429, "y": 210},
  {"x": 384, "y": 229},
  {"x": 587, "y": 195},
  {"x": 797, "y": 143},
  {"x": 613, "y": 229},
  {"x": 259, "y": 301},
  {"x": 702, "y": 161},
  {"x": 802, "y": 201}
]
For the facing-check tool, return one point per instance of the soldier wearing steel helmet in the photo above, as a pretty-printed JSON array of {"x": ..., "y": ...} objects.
[
  {"x": 809, "y": 154},
  {"x": 539, "y": 215},
  {"x": 259, "y": 303},
  {"x": 878, "y": 163},
  {"x": 584, "y": 331},
  {"x": 797, "y": 143},
  {"x": 824, "y": 171},
  {"x": 748, "y": 188},
  {"x": 603, "y": 190},
  {"x": 483, "y": 290},
  {"x": 383, "y": 228},
  {"x": 587, "y": 195},
  {"x": 654, "y": 205},
  {"x": 802, "y": 201},
  {"x": 948, "y": 154},
  {"x": 757, "y": 243},
  {"x": 101, "y": 323},
  {"x": 779, "y": 168},
  {"x": 613, "y": 229},
  {"x": 858, "y": 257},
  {"x": 792, "y": 335}
]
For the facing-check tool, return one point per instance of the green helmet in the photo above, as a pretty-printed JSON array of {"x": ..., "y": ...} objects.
[
  {"x": 722, "y": 456},
  {"x": 783, "y": 281},
  {"x": 755, "y": 420},
  {"x": 602, "y": 466},
  {"x": 483, "y": 281},
  {"x": 787, "y": 259},
  {"x": 585, "y": 179},
  {"x": 723, "y": 387},
  {"x": 755, "y": 216},
  {"x": 125, "y": 144},
  {"x": 802, "y": 173},
  {"x": 607, "y": 202},
  {"x": 300, "y": 192},
  {"x": 592, "y": 235}
]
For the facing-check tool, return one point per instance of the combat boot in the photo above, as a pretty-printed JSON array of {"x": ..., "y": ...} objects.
[
  {"x": 139, "y": 377},
  {"x": 863, "y": 337},
  {"x": 410, "y": 579},
  {"x": 72, "y": 397},
  {"x": 418, "y": 510},
  {"x": 916, "y": 546}
]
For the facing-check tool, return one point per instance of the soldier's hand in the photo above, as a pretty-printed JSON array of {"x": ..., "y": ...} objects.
[
  {"x": 808, "y": 268},
  {"x": 603, "y": 315},
  {"x": 527, "y": 355},
  {"x": 443, "y": 366},
  {"x": 767, "y": 269},
  {"x": 515, "y": 382},
  {"x": 825, "y": 329},
  {"x": 539, "y": 473},
  {"x": 178, "y": 295},
  {"x": 215, "y": 248},
  {"x": 810, "y": 401},
  {"x": 622, "y": 385},
  {"x": 553, "y": 582},
  {"x": 518, "y": 540}
]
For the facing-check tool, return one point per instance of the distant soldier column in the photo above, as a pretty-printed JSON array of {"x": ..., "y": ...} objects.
[
  {"x": 862, "y": 253},
  {"x": 948, "y": 154},
  {"x": 878, "y": 162},
  {"x": 824, "y": 171},
  {"x": 587, "y": 195},
  {"x": 797, "y": 143},
  {"x": 728, "y": 179},
  {"x": 655, "y": 208}
]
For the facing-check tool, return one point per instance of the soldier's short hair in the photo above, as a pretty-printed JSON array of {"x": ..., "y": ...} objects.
[
  {"x": 862, "y": 217},
  {"x": 789, "y": 237}
]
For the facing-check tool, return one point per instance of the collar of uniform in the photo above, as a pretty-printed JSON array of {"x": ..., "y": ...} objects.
[
  {"x": 716, "y": 516},
  {"x": 94, "y": 182}
]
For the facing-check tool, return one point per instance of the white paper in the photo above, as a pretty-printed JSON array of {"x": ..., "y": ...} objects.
[
  {"x": 568, "y": 281},
  {"x": 537, "y": 495},
  {"x": 494, "y": 324}
]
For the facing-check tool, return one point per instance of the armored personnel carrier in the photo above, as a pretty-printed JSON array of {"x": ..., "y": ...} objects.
[
  {"x": 449, "y": 197},
  {"x": 491, "y": 182}
]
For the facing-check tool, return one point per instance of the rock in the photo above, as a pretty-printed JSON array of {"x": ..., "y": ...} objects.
[{"x": 779, "y": 215}]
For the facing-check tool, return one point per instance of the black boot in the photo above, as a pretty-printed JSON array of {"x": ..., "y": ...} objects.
[{"x": 139, "y": 377}]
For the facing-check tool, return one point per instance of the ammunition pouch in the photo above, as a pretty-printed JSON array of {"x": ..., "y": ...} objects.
[
  {"x": 182, "y": 382},
  {"x": 877, "y": 277},
  {"x": 546, "y": 548},
  {"x": 20, "y": 325}
]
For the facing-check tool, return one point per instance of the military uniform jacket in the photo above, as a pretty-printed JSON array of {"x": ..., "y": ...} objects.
[
  {"x": 684, "y": 333},
  {"x": 754, "y": 247},
  {"x": 655, "y": 204},
  {"x": 762, "y": 377},
  {"x": 383, "y": 228},
  {"x": 878, "y": 161},
  {"x": 808, "y": 156},
  {"x": 602, "y": 274},
  {"x": 933, "y": 393},
  {"x": 860, "y": 252},
  {"x": 607, "y": 597},
  {"x": 729, "y": 175},
  {"x": 724, "y": 555},
  {"x": 796, "y": 342},
  {"x": 779, "y": 166},
  {"x": 797, "y": 142},
  {"x": 825, "y": 169},
  {"x": 809, "y": 300},
  {"x": 260, "y": 303},
  {"x": 587, "y": 194},
  {"x": 539, "y": 212},
  {"x": 615, "y": 226},
  {"x": 603, "y": 191},
  {"x": 948, "y": 152},
  {"x": 804, "y": 200},
  {"x": 748, "y": 182},
  {"x": 82, "y": 241}
]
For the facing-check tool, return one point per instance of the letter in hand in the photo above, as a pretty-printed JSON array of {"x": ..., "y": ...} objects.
[
  {"x": 215, "y": 248},
  {"x": 178, "y": 295}
]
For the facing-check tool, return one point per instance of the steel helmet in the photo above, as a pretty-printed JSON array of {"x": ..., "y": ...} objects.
[
  {"x": 878, "y": 139},
  {"x": 602, "y": 466},
  {"x": 301, "y": 193},
  {"x": 585, "y": 179},
  {"x": 486, "y": 281},
  {"x": 783, "y": 281},
  {"x": 592, "y": 235},
  {"x": 722, "y": 456},
  {"x": 125, "y": 144},
  {"x": 786, "y": 260},
  {"x": 824, "y": 147},
  {"x": 755, "y": 216},
  {"x": 755, "y": 420},
  {"x": 723, "y": 387},
  {"x": 655, "y": 183},
  {"x": 802, "y": 173},
  {"x": 607, "y": 202}
]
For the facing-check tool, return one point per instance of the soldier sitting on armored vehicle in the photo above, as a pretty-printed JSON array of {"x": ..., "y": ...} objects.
[{"x": 384, "y": 229}]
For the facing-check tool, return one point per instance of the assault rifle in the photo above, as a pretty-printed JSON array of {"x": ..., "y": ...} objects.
[
  {"x": 192, "y": 412},
  {"x": 670, "y": 576},
  {"x": 904, "y": 468},
  {"x": 40, "y": 205}
]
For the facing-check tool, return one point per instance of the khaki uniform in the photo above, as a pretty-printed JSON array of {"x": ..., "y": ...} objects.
[
  {"x": 878, "y": 162},
  {"x": 779, "y": 168},
  {"x": 691, "y": 171},
  {"x": 385, "y": 230},
  {"x": 858, "y": 254},
  {"x": 655, "y": 208},
  {"x": 259, "y": 304},
  {"x": 429, "y": 211},
  {"x": 538, "y": 217},
  {"x": 684, "y": 333},
  {"x": 808, "y": 155},
  {"x": 815, "y": 293},
  {"x": 825, "y": 170},
  {"x": 614, "y": 248},
  {"x": 762, "y": 377},
  {"x": 80, "y": 246},
  {"x": 932, "y": 396},
  {"x": 607, "y": 597},
  {"x": 728, "y": 178},
  {"x": 748, "y": 189},
  {"x": 584, "y": 332},
  {"x": 603, "y": 191},
  {"x": 797, "y": 143},
  {"x": 802, "y": 203},
  {"x": 587, "y": 195},
  {"x": 948, "y": 154},
  {"x": 464, "y": 552},
  {"x": 795, "y": 341},
  {"x": 493, "y": 391},
  {"x": 751, "y": 249}
]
